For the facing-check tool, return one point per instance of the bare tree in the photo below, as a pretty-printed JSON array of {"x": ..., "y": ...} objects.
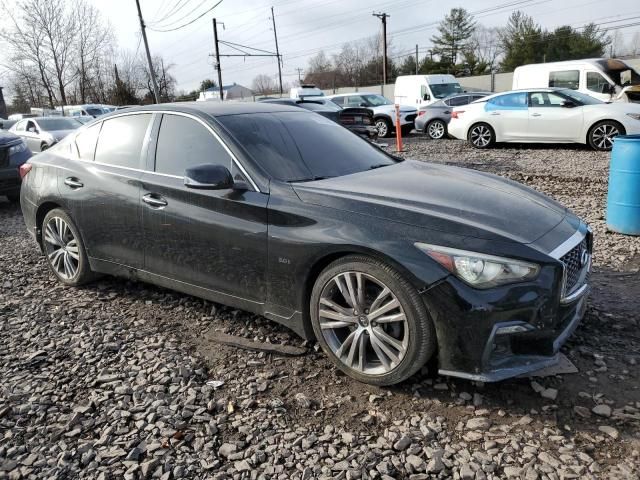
[
  {"x": 263, "y": 84},
  {"x": 634, "y": 44},
  {"x": 484, "y": 47}
]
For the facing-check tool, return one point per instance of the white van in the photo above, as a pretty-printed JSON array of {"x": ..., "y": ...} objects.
[
  {"x": 607, "y": 79},
  {"x": 419, "y": 90},
  {"x": 305, "y": 91}
]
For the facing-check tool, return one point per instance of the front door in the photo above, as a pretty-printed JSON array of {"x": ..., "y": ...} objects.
[
  {"x": 215, "y": 239},
  {"x": 550, "y": 121}
]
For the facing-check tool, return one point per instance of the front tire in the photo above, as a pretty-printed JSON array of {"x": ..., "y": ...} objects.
[
  {"x": 601, "y": 135},
  {"x": 481, "y": 135},
  {"x": 64, "y": 250},
  {"x": 370, "y": 321},
  {"x": 384, "y": 127},
  {"x": 436, "y": 129}
]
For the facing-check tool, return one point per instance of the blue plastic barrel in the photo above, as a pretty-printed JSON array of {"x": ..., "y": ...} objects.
[{"x": 623, "y": 199}]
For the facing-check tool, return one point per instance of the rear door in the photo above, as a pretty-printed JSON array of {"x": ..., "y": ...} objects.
[
  {"x": 103, "y": 189},
  {"x": 508, "y": 115},
  {"x": 550, "y": 121},
  {"x": 215, "y": 239}
]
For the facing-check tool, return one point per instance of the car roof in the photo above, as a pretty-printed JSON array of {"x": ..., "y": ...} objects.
[
  {"x": 212, "y": 108},
  {"x": 351, "y": 93},
  {"x": 524, "y": 90}
]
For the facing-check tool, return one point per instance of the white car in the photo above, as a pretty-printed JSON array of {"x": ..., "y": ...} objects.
[
  {"x": 544, "y": 115},
  {"x": 384, "y": 110}
]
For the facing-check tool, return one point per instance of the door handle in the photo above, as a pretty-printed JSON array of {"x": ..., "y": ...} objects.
[
  {"x": 495, "y": 113},
  {"x": 73, "y": 182},
  {"x": 536, "y": 114},
  {"x": 155, "y": 202}
]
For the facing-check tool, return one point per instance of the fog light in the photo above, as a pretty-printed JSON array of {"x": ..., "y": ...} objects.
[{"x": 519, "y": 328}]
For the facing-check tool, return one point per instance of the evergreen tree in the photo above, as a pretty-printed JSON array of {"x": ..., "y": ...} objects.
[
  {"x": 453, "y": 33},
  {"x": 522, "y": 42}
]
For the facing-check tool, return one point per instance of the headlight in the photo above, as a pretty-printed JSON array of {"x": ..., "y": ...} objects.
[
  {"x": 480, "y": 270},
  {"x": 21, "y": 147},
  {"x": 635, "y": 116}
]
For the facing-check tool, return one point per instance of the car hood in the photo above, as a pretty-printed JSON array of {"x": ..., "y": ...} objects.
[
  {"x": 7, "y": 137},
  {"x": 621, "y": 108},
  {"x": 438, "y": 197}
]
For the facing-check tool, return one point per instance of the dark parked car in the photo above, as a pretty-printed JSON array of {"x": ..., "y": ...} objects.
[
  {"x": 433, "y": 119},
  {"x": 385, "y": 262},
  {"x": 7, "y": 124},
  {"x": 44, "y": 132},
  {"x": 13, "y": 153},
  {"x": 358, "y": 120}
]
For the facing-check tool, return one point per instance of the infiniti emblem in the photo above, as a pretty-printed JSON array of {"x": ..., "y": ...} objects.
[{"x": 584, "y": 258}]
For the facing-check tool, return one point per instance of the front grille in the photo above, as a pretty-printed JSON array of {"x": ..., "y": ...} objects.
[
  {"x": 411, "y": 118},
  {"x": 574, "y": 266},
  {"x": 4, "y": 157}
]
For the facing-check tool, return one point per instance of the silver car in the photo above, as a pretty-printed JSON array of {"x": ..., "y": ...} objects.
[
  {"x": 433, "y": 119},
  {"x": 43, "y": 132}
]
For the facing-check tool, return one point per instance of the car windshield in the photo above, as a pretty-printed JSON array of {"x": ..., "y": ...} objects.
[
  {"x": 580, "y": 97},
  {"x": 95, "y": 111},
  {"x": 58, "y": 124},
  {"x": 296, "y": 147},
  {"x": 442, "y": 90},
  {"x": 376, "y": 100}
]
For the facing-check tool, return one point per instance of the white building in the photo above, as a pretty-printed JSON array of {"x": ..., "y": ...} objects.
[{"x": 230, "y": 92}]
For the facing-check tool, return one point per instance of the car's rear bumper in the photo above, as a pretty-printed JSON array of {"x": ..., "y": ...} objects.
[{"x": 493, "y": 335}]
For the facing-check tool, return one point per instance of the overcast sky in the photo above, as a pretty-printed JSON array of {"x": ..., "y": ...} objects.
[{"x": 307, "y": 26}]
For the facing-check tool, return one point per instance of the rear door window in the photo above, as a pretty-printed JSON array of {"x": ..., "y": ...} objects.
[
  {"x": 457, "y": 101},
  {"x": 565, "y": 79},
  {"x": 510, "y": 101},
  {"x": 183, "y": 143},
  {"x": 86, "y": 142},
  {"x": 338, "y": 100},
  {"x": 121, "y": 139}
]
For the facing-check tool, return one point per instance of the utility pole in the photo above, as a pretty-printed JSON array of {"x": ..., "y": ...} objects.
[
  {"x": 383, "y": 17},
  {"x": 416, "y": 59},
  {"x": 146, "y": 47},
  {"x": 218, "y": 67},
  {"x": 275, "y": 33},
  {"x": 299, "y": 70}
]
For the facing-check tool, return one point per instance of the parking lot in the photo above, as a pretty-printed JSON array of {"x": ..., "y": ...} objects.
[{"x": 122, "y": 379}]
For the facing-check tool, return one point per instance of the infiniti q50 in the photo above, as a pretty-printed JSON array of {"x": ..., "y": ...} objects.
[{"x": 279, "y": 211}]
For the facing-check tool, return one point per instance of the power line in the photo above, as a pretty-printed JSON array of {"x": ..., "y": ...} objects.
[
  {"x": 188, "y": 23},
  {"x": 173, "y": 22}
]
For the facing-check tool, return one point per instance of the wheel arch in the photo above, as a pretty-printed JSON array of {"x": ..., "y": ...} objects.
[
  {"x": 591, "y": 126},
  {"x": 319, "y": 264},
  {"x": 41, "y": 212}
]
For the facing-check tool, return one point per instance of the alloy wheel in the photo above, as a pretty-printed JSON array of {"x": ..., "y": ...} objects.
[
  {"x": 603, "y": 136},
  {"x": 480, "y": 136},
  {"x": 61, "y": 248},
  {"x": 363, "y": 323},
  {"x": 383, "y": 128},
  {"x": 436, "y": 130}
]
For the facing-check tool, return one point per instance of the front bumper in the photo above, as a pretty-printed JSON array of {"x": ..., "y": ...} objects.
[{"x": 504, "y": 332}]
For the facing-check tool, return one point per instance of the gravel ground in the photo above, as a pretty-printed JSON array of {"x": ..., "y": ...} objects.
[{"x": 122, "y": 380}]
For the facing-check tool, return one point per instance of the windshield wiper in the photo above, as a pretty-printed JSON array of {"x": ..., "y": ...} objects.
[{"x": 311, "y": 179}]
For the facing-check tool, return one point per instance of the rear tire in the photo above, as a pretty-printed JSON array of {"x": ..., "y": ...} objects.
[
  {"x": 64, "y": 250},
  {"x": 481, "y": 135},
  {"x": 379, "y": 332},
  {"x": 436, "y": 129},
  {"x": 601, "y": 135},
  {"x": 384, "y": 127},
  {"x": 44, "y": 147}
]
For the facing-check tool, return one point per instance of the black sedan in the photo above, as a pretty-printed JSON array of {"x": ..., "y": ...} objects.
[
  {"x": 13, "y": 154},
  {"x": 384, "y": 262},
  {"x": 359, "y": 120}
]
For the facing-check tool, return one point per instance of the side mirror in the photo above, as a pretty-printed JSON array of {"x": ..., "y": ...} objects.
[
  {"x": 362, "y": 104},
  {"x": 568, "y": 104},
  {"x": 208, "y": 177},
  {"x": 426, "y": 97}
]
